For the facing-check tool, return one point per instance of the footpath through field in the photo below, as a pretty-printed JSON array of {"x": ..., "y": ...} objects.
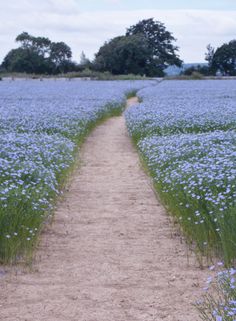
[{"x": 111, "y": 254}]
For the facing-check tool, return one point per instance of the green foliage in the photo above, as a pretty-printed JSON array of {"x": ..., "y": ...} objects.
[
  {"x": 196, "y": 72},
  {"x": 162, "y": 51},
  {"x": 131, "y": 93},
  {"x": 19, "y": 247},
  {"x": 60, "y": 55},
  {"x": 39, "y": 45},
  {"x": 123, "y": 55},
  {"x": 209, "y": 55},
  {"x": 191, "y": 171},
  {"x": 38, "y": 55},
  {"x": 146, "y": 49},
  {"x": 25, "y": 60},
  {"x": 106, "y": 75},
  {"x": 219, "y": 301},
  {"x": 84, "y": 63},
  {"x": 224, "y": 59}
]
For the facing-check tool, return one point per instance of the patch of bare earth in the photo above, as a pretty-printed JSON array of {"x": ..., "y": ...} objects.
[{"x": 110, "y": 254}]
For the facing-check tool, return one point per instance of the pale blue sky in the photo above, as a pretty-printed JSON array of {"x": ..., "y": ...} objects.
[
  {"x": 157, "y": 4},
  {"x": 86, "y": 24}
]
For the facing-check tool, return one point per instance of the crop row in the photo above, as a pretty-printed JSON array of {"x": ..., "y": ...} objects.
[
  {"x": 185, "y": 131},
  {"x": 41, "y": 126}
]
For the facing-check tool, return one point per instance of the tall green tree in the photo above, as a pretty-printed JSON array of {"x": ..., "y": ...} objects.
[
  {"x": 24, "y": 60},
  {"x": 160, "y": 43},
  {"x": 60, "y": 53},
  {"x": 38, "y": 55},
  {"x": 224, "y": 59},
  {"x": 84, "y": 62},
  {"x": 25, "y": 39},
  {"x": 209, "y": 55},
  {"x": 123, "y": 55},
  {"x": 39, "y": 45}
]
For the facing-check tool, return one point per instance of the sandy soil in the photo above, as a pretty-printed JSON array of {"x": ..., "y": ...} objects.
[{"x": 111, "y": 253}]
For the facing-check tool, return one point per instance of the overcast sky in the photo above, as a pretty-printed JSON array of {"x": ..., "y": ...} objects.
[{"x": 86, "y": 24}]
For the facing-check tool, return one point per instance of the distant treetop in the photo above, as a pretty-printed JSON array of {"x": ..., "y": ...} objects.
[
  {"x": 38, "y": 55},
  {"x": 147, "y": 48}
]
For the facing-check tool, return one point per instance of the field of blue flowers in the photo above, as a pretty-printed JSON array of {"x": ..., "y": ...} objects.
[
  {"x": 219, "y": 300},
  {"x": 184, "y": 130},
  {"x": 42, "y": 124},
  {"x": 186, "y": 133}
]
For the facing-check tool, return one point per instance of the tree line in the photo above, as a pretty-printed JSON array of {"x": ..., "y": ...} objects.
[
  {"x": 38, "y": 55},
  {"x": 147, "y": 48},
  {"x": 220, "y": 61}
]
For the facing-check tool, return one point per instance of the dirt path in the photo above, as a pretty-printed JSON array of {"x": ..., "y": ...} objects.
[{"x": 110, "y": 254}]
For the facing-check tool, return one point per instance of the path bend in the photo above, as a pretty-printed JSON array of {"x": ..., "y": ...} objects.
[{"x": 110, "y": 254}]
